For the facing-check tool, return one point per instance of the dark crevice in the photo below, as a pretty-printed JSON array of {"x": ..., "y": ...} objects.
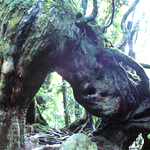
[
  {"x": 89, "y": 91},
  {"x": 104, "y": 94}
]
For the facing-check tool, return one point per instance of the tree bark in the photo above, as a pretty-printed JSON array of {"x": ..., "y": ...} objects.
[
  {"x": 66, "y": 115},
  {"x": 77, "y": 112},
  {"x": 38, "y": 37},
  {"x": 33, "y": 34}
]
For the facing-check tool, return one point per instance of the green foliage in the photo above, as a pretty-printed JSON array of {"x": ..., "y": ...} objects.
[
  {"x": 38, "y": 127},
  {"x": 148, "y": 136},
  {"x": 114, "y": 33},
  {"x": 97, "y": 122},
  {"x": 20, "y": 4},
  {"x": 104, "y": 17},
  {"x": 53, "y": 110}
]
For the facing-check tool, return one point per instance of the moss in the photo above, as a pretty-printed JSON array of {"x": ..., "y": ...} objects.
[
  {"x": 53, "y": 16},
  {"x": 38, "y": 127},
  {"x": 11, "y": 13}
]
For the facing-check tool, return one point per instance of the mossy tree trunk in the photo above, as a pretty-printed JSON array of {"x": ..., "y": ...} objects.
[
  {"x": 38, "y": 37},
  {"x": 32, "y": 38}
]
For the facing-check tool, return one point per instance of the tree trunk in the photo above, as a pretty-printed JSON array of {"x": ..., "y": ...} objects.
[
  {"x": 90, "y": 119},
  {"x": 66, "y": 117},
  {"x": 12, "y": 134},
  {"x": 33, "y": 34},
  {"x": 77, "y": 112},
  {"x": 34, "y": 114},
  {"x": 38, "y": 37}
]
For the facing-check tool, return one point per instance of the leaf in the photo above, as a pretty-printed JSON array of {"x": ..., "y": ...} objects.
[{"x": 148, "y": 136}]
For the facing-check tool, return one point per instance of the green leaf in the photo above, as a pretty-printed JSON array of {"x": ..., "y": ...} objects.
[{"x": 148, "y": 136}]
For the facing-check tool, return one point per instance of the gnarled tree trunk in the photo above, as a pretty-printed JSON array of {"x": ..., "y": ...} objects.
[
  {"x": 38, "y": 37},
  {"x": 33, "y": 37}
]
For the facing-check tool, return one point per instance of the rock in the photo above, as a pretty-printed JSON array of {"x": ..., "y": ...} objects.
[{"x": 78, "y": 141}]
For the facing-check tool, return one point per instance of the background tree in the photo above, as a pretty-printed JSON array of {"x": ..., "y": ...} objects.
[
  {"x": 66, "y": 115},
  {"x": 53, "y": 107}
]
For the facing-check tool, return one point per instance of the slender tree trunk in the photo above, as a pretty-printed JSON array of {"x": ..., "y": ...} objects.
[
  {"x": 90, "y": 119},
  {"x": 92, "y": 124},
  {"x": 77, "y": 111},
  {"x": 66, "y": 117}
]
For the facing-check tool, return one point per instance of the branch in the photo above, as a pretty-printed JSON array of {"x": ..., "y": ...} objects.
[
  {"x": 145, "y": 65},
  {"x": 125, "y": 29},
  {"x": 113, "y": 10},
  {"x": 123, "y": 26},
  {"x": 123, "y": 57},
  {"x": 83, "y": 6},
  {"x": 130, "y": 43},
  {"x": 81, "y": 19},
  {"x": 94, "y": 12}
]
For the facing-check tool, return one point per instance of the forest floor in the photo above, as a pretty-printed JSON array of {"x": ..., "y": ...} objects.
[
  {"x": 44, "y": 138},
  {"x": 51, "y": 139}
]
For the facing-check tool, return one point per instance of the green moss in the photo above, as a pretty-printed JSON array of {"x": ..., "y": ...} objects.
[
  {"x": 55, "y": 17},
  {"x": 38, "y": 127},
  {"x": 11, "y": 13}
]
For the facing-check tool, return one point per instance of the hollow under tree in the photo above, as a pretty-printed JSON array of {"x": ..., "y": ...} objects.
[{"x": 38, "y": 37}]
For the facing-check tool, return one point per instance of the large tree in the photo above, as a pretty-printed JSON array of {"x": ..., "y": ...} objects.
[{"x": 39, "y": 37}]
